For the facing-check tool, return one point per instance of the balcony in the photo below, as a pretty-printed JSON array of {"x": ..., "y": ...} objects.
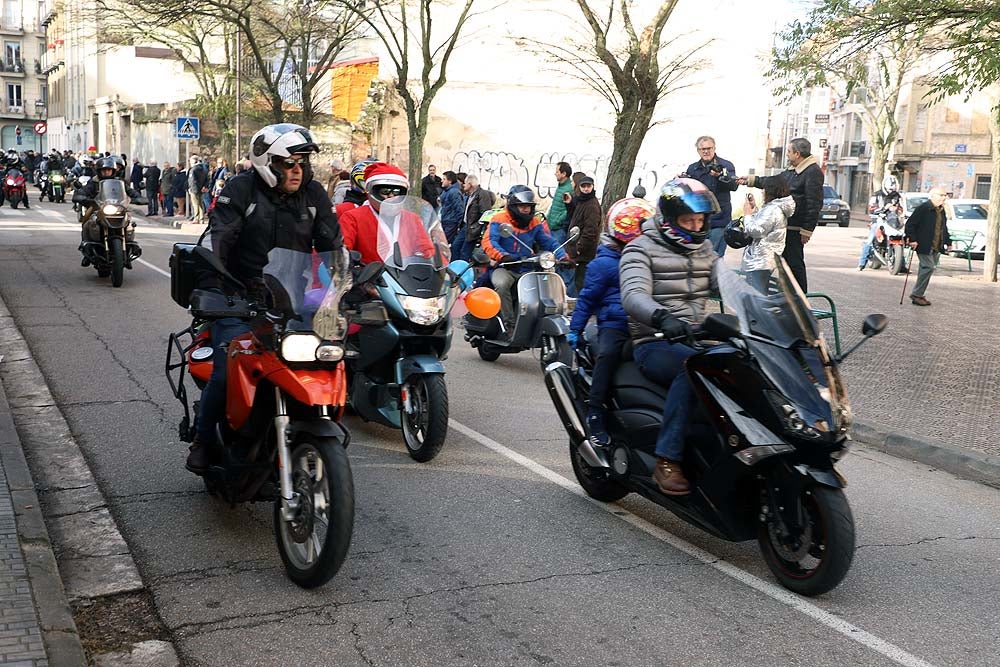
[
  {"x": 12, "y": 110},
  {"x": 834, "y": 153},
  {"x": 27, "y": 109},
  {"x": 12, "y": 67},
  {"x": 11, "y": 26}
]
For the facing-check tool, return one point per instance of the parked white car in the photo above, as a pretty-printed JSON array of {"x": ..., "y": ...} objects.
[{"x": 965, "y": 214}]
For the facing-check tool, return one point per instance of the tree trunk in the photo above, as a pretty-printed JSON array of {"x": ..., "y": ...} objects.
[
  {"x": 415, "y": 164},
  {"x": 880, "y": 155},
  {"x": 630, "y": 130},
  {"x": 993, "y": 219}
]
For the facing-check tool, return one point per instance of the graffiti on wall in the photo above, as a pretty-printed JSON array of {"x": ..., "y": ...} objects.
[{"x": 499, "y": 170}]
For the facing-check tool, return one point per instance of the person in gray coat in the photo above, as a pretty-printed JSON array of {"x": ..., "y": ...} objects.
[{"x": 667, "y": 275}]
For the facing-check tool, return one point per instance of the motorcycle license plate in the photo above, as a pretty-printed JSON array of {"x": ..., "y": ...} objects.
[{"x": 829, "y": 216}]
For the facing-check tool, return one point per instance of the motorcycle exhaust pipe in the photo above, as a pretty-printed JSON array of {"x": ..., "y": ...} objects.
[{"x": 559, "y": 382}]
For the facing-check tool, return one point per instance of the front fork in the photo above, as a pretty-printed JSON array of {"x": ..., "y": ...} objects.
[{"x": 289, "y": 501}]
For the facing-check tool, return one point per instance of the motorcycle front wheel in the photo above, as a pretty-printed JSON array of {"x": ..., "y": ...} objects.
[
  {"x": 116, "y": 252},
  {"x": 896, "y": 262},
  {"x": 487, "y": 353},
  {"x": 313, "y": 545},
  {"x": 426, "y": 427},
  {"x": 818, "y": 557}
]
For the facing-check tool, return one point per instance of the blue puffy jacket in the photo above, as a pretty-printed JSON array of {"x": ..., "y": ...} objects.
[
  {"x": 601, "y": 292},
  {"x": 452, "y": 207}
]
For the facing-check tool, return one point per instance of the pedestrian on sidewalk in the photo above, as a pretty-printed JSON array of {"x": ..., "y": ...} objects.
[
  {"x": 166, "y": 189},
  {"x": 152, "y": 176},
  {"x": 136, "y": 176},
  {"x": 558, "y": 219},
  {"x": 588, "y": 216},
  {"x": 452, "y": 205},
  {"x": 179, "y": 190},
  {"x": 430, "y": 187},
  {"x": 766, "y": 228},
  {"x": 719, "y": 176},
  {"x": 927, "y": 233}
]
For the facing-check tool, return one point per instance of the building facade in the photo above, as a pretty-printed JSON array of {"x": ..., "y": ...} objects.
[{"x": 22, "y": 65}]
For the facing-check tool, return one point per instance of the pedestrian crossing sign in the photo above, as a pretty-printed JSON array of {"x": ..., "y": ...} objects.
[{"x": 188, "y": 127}]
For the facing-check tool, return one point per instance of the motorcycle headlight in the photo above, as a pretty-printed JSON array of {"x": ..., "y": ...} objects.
[
  {"x": 794, "y": 424},
  {"x": 329, "y": 352},
  {"x": 10, "y": 181},
  {"x": 111, "y": 209},
  {"x": 301, "y": 347},
  {"x": 423, "y": 311},
  {"x": 57, "y": 179},
  {"x": 547, "y": 260}
]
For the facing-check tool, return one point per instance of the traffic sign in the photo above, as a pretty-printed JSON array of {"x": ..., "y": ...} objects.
[
  {"x": 188, "y": 127},
  {"x": 41, "y": 127}
]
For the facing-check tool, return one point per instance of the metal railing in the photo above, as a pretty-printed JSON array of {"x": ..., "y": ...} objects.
[{"x": 15, "y": 65}]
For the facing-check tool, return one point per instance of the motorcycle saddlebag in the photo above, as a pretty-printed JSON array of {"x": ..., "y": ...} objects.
[{"x": 185, "y": 270}]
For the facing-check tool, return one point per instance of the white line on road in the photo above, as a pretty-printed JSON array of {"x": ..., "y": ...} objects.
[
  {"x": 773, "y": 591},
  {"x": 154, "y": 267}
]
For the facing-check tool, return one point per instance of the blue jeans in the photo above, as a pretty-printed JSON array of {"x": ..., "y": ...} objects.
[
  {"x": 867, "y": 247},
  {"x": 609, "y": 350},
  {"x": 213, "y": 398},
  {"x": 460, "y": 246},
  {"x": 717, "y": 235},
  {"x": 568, "y": 274},
  {"x": 758, "y": 279},
  {"x": 168, "y": 204},
  {"x": 663, "y": 363}
]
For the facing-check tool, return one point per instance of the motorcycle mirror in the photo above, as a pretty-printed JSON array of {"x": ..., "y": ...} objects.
[
  {"x": 721, "y": 327},
  {"x": 371, "y": 271},
  {"x": 573, "y": 234},
  {"x": 506, "y": 230},
  {"x": 874, "y": 324}
]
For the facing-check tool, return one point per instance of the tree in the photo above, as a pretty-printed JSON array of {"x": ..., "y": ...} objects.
[
  {"x": 962, "y": 34},
  {"x": 633, "y": 77},
  {"x": 825, "y": 59},
  {"x": 392, "y": 22}
]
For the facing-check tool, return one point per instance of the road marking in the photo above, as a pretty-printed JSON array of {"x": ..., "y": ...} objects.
[
  {"x": 154, "y": 267},
  {"x": 773, "y": 591}
]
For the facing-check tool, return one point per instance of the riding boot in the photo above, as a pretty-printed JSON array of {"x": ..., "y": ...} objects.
[
  {"x": 199, "y": 457},
  {"x": 597, "y": 428},
  {"x": 670, "y": 478}
]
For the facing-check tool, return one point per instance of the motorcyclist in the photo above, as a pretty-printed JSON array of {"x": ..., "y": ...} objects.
[
  {"x": 277, "y": 204},
  {"x": 529, "y": 230},
  {"x": 86, "y": 197},
  {"x": 356, "y": 196},
  {"x": 11, "y": 161},
  {"x": 667, "y": 274},
  {"x": 884, "y": 201},
  {"x": 360, "y": 226}
]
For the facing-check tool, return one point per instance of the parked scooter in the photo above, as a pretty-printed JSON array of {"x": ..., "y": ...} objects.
[
  {"x": 281, "y": 436},
  {"x": 887, "y": 244},
  {"x": 109, "y": 233},
  {"x": 772, "y": 422},
  {"x": 401, "y": 328},
  {"x": 540, "y": 309},
  {"x": 14, "y": 189}
]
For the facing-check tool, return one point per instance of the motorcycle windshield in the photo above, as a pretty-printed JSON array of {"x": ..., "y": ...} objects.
[
  {"x": 785, "y": 339},
  {"x": 409, "y": 232},
  {"x": 307, "y": 288},
  {"x": 111, "y": 191}
]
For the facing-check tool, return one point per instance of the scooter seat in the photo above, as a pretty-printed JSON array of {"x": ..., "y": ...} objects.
[
  {"x": 627, "y": 351},
  {"x": 634, "y": 389}
]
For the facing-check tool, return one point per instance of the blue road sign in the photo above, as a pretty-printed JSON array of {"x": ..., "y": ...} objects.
[{"x": 188, "y": 127}]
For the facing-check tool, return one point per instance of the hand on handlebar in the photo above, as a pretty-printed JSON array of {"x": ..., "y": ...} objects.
[{"x": 674, "y": 329}]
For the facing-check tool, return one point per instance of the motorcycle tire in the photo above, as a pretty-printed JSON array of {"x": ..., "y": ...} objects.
[
  {"x": 13, "y": 203},
  {"x": 314, "y": 546},
  {"x": 117, "y": 257},
  {"x": 487, "y": 353},
  {"x": 898, "y": 260},
  {"x": 555, "y": 349},
  {"x": 425, "y": 430},
  {"x": 874, "y": 262},
  {"x": 817, "y": 567},
  {"x": 596, "y": 483}
]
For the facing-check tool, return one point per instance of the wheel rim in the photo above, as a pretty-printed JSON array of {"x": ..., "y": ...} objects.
[
  {"x": 802, "y": 556},
  {"x": 305, "y": 535},
  {"x": 415, "y": 422}
]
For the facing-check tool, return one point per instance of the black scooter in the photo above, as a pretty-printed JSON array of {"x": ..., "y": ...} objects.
[
  {"x": 771, "y": 422},
  {"x": 540, "y": 308}
]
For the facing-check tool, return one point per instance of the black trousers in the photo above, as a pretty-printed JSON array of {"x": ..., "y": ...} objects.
[
  {"x": 795, "y": 257},
  {"x": 609, "y": 349}
]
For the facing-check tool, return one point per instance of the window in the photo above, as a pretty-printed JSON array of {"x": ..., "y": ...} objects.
[
  {"x": 12, "y": 54},
  {"x": 982, "y": 187},
  {"x": 44, "y": 93},
  {"x": 12, "y": 13},
  {"x": 920, "y": 124},
  {"x": 14, "y": 95},
  {"x": 951, "y": 115}
]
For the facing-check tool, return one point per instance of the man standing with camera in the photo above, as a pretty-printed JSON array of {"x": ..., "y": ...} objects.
[{"x": 719, "y": 176}]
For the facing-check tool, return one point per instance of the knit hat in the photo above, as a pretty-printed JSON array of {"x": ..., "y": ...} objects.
[
  {"x": 586, "y": 179},
  {"x": 380, "y": 173}
]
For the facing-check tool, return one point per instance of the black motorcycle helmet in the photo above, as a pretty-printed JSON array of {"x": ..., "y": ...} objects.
[
  {"x": 519, "y": 195},
  {"x": 684, "y": 196},
  {"x": 736, "y": 235},
  {"x": 106, "y": 168}
]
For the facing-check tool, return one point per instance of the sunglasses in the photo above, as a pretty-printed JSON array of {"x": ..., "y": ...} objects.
[{"x": 289, "y": 163}]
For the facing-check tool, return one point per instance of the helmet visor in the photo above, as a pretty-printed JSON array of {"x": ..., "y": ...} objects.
[{"x": 700, "y": 202}]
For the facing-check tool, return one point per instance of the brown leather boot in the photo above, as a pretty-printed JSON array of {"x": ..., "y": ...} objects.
[
  {"x": 198, "y": 458},
  {"x": 670, "y": 478}
]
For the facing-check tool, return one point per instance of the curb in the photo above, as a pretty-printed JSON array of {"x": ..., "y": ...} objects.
[
  {"x": 55, "y": 617},
  {"x": 967, "y": 464}
]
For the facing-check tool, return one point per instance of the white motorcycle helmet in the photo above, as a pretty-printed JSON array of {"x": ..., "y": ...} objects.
[
  {"x": 280, "y": 141},
  {"x": 890, "y": 184}
]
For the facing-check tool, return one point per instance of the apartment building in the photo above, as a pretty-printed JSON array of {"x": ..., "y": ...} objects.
[
  {"x": 25, "y": 90},
  {"x": 849, "y": 150}
]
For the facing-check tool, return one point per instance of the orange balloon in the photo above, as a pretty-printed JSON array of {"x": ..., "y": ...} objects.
[{"x": 483, "y": 303}]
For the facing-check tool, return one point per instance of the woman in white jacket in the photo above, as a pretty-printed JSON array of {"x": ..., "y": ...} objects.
[{"x": 766, "y": 229}]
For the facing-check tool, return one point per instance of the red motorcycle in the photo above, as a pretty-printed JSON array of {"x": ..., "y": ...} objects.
[
  {"x": 14, "y": 189},
  {"x": 281, "y": 438}
]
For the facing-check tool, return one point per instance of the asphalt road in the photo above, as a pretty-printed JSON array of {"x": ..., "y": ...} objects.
[{"x": 488, "y": 555}]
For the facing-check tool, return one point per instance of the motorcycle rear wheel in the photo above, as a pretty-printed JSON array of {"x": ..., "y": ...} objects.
[
  {"x": 425, "y": 430},
  {"x": 820, "y": 558},
  {"x": 13, "y": 203},
  {"x": 314, "y": 545},
  {"x": 596, "y": 483},
  {"x": 117, "y": 257}
]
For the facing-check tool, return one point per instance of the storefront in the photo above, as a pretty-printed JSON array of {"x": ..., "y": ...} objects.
[{"x": 27, "y": 140}]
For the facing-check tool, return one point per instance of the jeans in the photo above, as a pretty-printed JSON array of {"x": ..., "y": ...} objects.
[
  {"x": 758, "y": 279},
  {"x": 153, "y": 202},
  {"x": 609, "y": 348},
  {"x": 866, "y": 249},
  {"x": 924, "y": 273},
  {"x": 663, "y": 363},
  {"x": 213, "y": 398},
  {"x": 717, "y": 235},
  {"x": 795, "y": 256},
  {"x": 460, "y": 246},
  {"x": 168, "y": 204},
  {"x": 568, "y": 274}
]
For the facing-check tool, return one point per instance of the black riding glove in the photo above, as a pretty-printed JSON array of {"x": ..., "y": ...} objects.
[
  {"x": 507, "y": 258},
  {"x": 673, "y": 328}
]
